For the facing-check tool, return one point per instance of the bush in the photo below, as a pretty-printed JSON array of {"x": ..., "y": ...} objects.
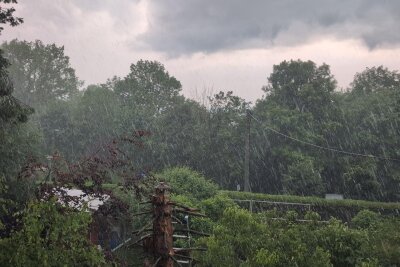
[
  {"x": 184, "y": 181},
  {"x": 215, "y": 206},
  {"x": 365, "y": 219},
  {"x": 51, "y": 236},
  {"x": 386, "y": 240}
]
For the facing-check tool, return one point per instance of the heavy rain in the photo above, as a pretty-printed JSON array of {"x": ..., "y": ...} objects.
[{"x": 199, "y": 133}]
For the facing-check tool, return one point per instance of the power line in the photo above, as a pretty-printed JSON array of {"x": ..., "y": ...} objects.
[{"x": 324, "y": 147}]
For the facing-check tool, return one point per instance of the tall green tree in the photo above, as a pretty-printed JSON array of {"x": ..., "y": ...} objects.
[
  {"x": 41, "y": 73},
  {"x": 375, "y": 79},
  {"x": 372, "y": 115},
  {"x": 12, "y": 110},
  {"x": 16, "y": 138},
  {"x": 300, "y": 102},
  {"x": 225, "y": 136},
  {"x": 302, "y": 86},
  {"x": 148, "y": 86}
]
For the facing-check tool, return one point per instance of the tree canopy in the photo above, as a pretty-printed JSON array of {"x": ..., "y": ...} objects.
[{"x": 40, "y": 73}]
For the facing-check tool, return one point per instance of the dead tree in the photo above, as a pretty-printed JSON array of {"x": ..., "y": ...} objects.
[{"x": 159, "y": 243}]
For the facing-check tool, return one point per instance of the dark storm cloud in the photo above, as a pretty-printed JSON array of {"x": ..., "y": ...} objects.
[{"x": 186, "y": 26}]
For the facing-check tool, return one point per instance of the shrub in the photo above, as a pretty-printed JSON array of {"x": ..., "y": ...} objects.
[
  {"x": 184, "y": 181},
  {"x": 215, "y": 206},
  {"x": 51, "y": 236},
  {"x": 365, "y": 219}
]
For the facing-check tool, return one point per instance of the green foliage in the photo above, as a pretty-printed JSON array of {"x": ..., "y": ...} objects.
[
  {"x": 302, "y": 178},
  {"x": 365, "y": 219},
  {"x": 40, "y": 73},
  {"x": 375, "y": 79},
  {"x": 149, "y": 86},
  {"x": 51, "y": 236},
  {"x": 18, "y": 140},
  {"x": 7, "y": 16},
  {"x": 202, "y": 224},
  {"x": 178, "y": 136},
  {"x": 234, "y": 239},
  {"x": 4, "y": 202},
  {"x": 59, "y": 131},
  {"x": 243, "y": 239},
  {"x": 224, "y": 135},
  {"x": 385, "y": 241},
  {"x": 184, "y": 181},
  {"x": 300, "y": 102},
  {"x": 361, "y": 180},
  {"x": 79, "y": 125},
  {"x": 18, "y": 144},
  {"x": 345, "y": 245},
  {"x": 374, "y": 117},
  {"x": 215, "y": 206},
  {"x": 301, "y": 85},
  {"x": 312, "y": 216},
  {"x": 265, "y": 258},
  {"x": 12, "y": 110}
]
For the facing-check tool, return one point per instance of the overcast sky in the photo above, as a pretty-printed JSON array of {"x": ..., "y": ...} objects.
[{"x": 212, "y": 45}]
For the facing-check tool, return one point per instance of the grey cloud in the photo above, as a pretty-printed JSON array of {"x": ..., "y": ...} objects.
[
  {"x": 179, "y": 27},
  {"x": 59, "y": 14},
  {"x": 48, "y": 15},
  {"x": 118, "y": 9}
]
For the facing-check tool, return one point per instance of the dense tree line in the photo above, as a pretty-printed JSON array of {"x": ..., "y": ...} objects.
[{"x": 301, "y": 100}]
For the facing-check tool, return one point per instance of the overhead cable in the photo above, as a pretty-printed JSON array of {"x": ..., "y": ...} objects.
[{"x": 324, "y": 147}]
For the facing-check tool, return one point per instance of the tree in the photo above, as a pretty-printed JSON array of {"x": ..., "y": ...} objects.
[
  {"x": 41, "y": 73},
  {"x": 302, "y": 177},
  {"x": 51, "y": 235},
  {"x": 185, "y": 181},
  {"x": 225, "y": 135},
  {"x": 235, "y": 239},
  {"x": 148, "y": 86},
  {"x": 16, "y": 138},
  {"x": 7, "y": 16},
  {"x": 361, "y": 181},
  {"x": 12, "y": 110},
  {"x": 78, "y": 126},
  {"x": 300, "y": 103},
  {"x": 372, "y": 120},
  {"x": 375, "y": 79},
  {"x": 178, "y": 136},
  {"x": 301, "y": 85}
]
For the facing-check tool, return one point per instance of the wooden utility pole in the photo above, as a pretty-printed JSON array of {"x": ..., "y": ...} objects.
[{"x": 247, "y": 153}]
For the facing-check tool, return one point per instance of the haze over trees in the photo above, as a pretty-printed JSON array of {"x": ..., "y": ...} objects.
[{"x": 301, "y": 101}]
